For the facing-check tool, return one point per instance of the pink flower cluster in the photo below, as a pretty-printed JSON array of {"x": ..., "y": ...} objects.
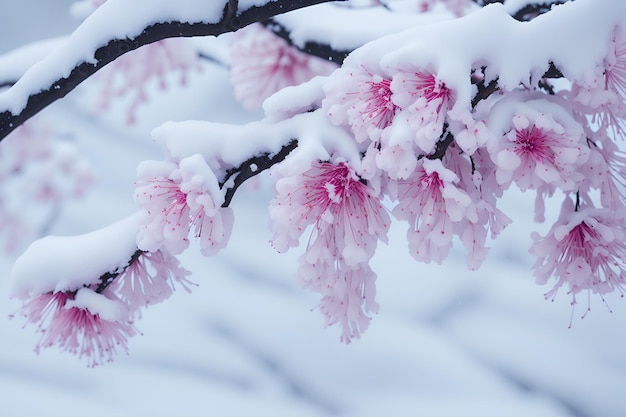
[
  {"x": 263, "y": 63},
  {"x": 178, "y": 198},
  {"x": 346, "y": 220},
  {"x": 96, "y": 320},
  {"x": 400, "y": 116},
  {"x": 446, "y": 170},
  {"x": 401, "y": 120},
  {"x": 585, "y": 251}
]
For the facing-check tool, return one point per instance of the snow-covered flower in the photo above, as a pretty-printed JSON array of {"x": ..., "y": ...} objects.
[
  {"x": 333, "y": 199},
  {"x": 584, "y": 251},
  {"x": 421, "y": 89},
  {"x": 542, "y": 145},
  {"x": 431, "y": 202},
  {"x": 348, "y": 219},
  {"x": 360, "y": 99},
  {"x": 150, "y": 278},
  {"x": 177, "y": 197},
  {"x": 80, "y": 322},
  {"x": 263, "y": 63},
  {"x": 424, "y": 100}
]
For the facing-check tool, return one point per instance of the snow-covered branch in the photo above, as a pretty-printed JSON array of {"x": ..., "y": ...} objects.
[{"x": 98, "y": 42}]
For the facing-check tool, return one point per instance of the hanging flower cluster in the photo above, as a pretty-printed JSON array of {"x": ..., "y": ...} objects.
[
  {"x": 585, "y": 251},
  {"x": 95, "y": 320},
  {"x": 347, "y": 220},
  {"x": 446, "y": 169},
  {"x": 178, "y": 198}
]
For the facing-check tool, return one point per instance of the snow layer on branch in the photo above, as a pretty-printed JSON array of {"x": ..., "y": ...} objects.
[
  {"x": 15, "y": 63},
  {"x": 354, "y": 28},
  {"x": 295, "y": 99},
  {"x": 115, "y": 19},
  {"x": 59, "y": 263},
  {"x": 511, "y": 50},
  {"x": 224, "y": 146}
]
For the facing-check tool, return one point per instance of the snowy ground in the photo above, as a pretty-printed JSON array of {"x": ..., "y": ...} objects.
[{"x": 447, "y": 342}]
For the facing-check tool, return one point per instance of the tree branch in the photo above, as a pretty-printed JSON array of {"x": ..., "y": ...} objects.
[
  {"x": 108, "y": 277},
  {"x": 530, "y": 11},
  {"x": 319, "y": 50},
  {"x": 484, "y": 91},
  {"x": 231, "y": 21},
  {"x": 252, "y": 167},
  {"x": 233, "y": 179}
]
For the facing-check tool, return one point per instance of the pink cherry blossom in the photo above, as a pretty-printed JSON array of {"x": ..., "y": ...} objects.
[
  {"x": 584, "y": 251},
  {"x": 150, "y": 279},
  {"x": 362, "y": 100},
  {"x": 420, "y": 89},
  {"x": 336, "y": 202},
  {"x": 177, "y": 198},
  {"x": 348, "y": 220},
  {"x": 75, "y": 328},
  {"x": 38, "y": 309},
  {"x": 168, "y": 215},
  {"x": 431, "y": 202},
  {"x": 425, "y": 101},
  {"x": 539, "y": 150},
  {"x": 263, "y": 63}
]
